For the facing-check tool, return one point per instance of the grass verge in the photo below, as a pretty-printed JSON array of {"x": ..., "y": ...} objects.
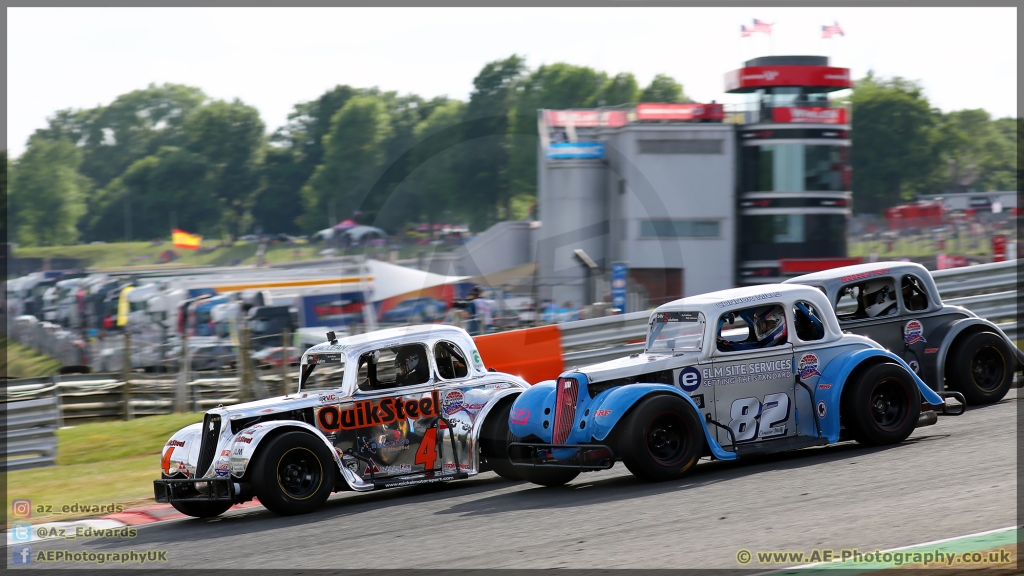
[
  {"x": 20, "y": 361},
  {"x": 99, "y": 463}
]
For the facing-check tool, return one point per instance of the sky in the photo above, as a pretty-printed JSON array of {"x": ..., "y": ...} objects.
[{"x": 273, "y": 58}]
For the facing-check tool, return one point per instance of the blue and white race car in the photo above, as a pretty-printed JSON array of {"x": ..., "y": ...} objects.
[{"x": 724, "y": 375}]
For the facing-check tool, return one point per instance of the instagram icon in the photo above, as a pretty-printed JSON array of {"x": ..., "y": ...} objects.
[{"x": 21, "y": 508}]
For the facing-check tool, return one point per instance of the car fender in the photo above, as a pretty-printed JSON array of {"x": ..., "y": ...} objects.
[
  {"x": 953, "y": 330},
  {"x": 527, "y": 415},
  {"x": 243, "y": 447},
  {"x": 181, "y": 452},
  {"x": 833, "y": 378},
  {"x": 609, "y": 407},
  {"x": 481, "y": 417}
]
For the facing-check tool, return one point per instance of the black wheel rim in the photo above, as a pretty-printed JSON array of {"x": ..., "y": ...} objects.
[
  {"x": 667, "y": 438},
  {"x": 987, "y": 368},
  {"x": 299, "y": 473},
  {"x": 889, "y": 404}
]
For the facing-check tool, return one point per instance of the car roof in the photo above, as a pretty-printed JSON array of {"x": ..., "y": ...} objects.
[
  {"x": 749, "y": 295},
  {"x": 888, "y": 268}
]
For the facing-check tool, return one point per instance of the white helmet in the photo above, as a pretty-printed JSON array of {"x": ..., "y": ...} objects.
[
  {"x": 879, "y": 298},
  {"x": 770, "y": 326}
]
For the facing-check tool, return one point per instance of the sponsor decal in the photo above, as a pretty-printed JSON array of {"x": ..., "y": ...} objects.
[
  {"x": 745, "y": 299},
  {"x": 222, "y": 468},
  {"x": 913, "y": 332},
  {"x": 449, "y": 467},
  {"x": 497, "y": 386},
  {"x": 520, "y": 416},
  {"x": 864, "y": 275},
  {"x": 238, "y": 451},
  {"x": 602, "y": 412},
  {"x": 377, "y": 413},
  {"x": 824, "y": 386},
  {"x": 244, "y": 439},
  {"x": 930, "y": 350},
  {"x": 177, "y": 443},
  {"x": 476, "y": 358},
  {"x": 323, "y": 358},
  {"x": 225, "y": 452},
  {"x": 383, "y": 443},
  {"x": 689, "y": 379},
  {"x": 329, "y": 397},
  {"x": 267, "y": 410},
  {"x": 747, "y": 372},
  {"x": 698, "y": 399},
  {"x": 914, "y": 365},
  {"x": 453, "y": 402},
  {"x": 808, "y": 366},
  {"x": 675, "y": 317},
  {"x": 822, "y": 409}
]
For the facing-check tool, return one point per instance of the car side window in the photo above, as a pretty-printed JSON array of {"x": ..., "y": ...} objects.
[
  {"x": 394, "y": 367},
  {"x": 915, "y": 297},
  {"x": 807, "y": 322},
  {"x": 451, "y": 362},
  {"x": 870, "y": 299},
  {"x": 752, "y": 328}
]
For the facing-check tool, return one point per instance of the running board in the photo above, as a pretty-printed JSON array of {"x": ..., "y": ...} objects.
[
  {"x": 399, "y": 481},
  {"x": 772, "y": 446}
]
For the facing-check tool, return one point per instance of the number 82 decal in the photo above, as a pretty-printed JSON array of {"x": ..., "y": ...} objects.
[{"x": 752, "y": 419}]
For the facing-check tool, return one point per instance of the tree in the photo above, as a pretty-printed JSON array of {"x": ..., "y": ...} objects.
[
  {"x": 895, "y": 152},
  {"x": 483, "y": 166},
  {"x": 354, "y": 150},
  {"x": 174, "y": 188},
  {"x": 432, "y": 186},
  {"x": 621, "y": 89},
  {"x": 47, "y": 193},
  {"x": 663, "y": 88},
  {"x": 229, "y": 137}
]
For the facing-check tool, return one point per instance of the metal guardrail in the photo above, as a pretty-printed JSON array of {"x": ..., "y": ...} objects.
[
  {"x": 980, "y": 279},
  {"x": 31, "y": 439}
]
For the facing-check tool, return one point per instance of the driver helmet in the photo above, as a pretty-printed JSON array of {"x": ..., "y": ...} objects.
[
  {"x": 769, "y": 326},
  {"x": 879, "y": 298},
  {"x": 406, "y": 362}
]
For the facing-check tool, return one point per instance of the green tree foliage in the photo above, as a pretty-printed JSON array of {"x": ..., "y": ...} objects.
[
  {"x": 978, "y": 153},
  {"x": 354, "y": 150},
  {"x": 621, "y": 89},
  {"x": 47, "y": 193},
  {"x": 432, "y": 188},
  {"x": 895, "y": 151},
  {"x": 229, "y": 137},
  {"x": 663, "y": 88}
]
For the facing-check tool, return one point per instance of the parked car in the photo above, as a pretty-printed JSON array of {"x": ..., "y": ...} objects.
[
  {"x": 397, "y": 407},
  {"x": 725, "y": 375},
  {"x": 275, "y": 357},
  {"x": 949, "y": 347}
]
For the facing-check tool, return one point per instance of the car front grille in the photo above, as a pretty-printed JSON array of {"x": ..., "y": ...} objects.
[
  {"x": 565, "y": 408},
  {"x": 208, "y": 446}
]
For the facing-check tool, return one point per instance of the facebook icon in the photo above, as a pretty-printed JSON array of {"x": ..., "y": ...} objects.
[{"x": 21, "y": 554}]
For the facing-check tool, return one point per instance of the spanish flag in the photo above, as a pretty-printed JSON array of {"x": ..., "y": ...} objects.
[{"x": 185, "y": 240}]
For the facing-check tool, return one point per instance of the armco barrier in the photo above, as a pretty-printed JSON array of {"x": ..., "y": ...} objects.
[{"x": 31, "y": 440}]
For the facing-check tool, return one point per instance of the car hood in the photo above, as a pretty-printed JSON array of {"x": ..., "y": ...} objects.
[
  {"x": 276, "y": 404},
  {"x": 636, "y": 364}
]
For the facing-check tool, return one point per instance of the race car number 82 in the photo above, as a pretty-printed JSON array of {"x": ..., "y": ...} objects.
[{"x": 748, "y": 415}]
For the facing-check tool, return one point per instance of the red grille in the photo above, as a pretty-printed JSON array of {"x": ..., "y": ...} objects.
[{"x": 565, "y": 408}]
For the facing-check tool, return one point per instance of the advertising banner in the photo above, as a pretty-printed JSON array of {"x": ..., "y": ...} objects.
[
  {"x": 566, "y": 150},
  {"x": 656, "y": 111},
  {"x": 798, "y": 114},
  {"x": 620, "y": 282}
]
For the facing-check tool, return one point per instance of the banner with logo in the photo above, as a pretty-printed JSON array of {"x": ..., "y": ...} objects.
[
  {"x": 620, "y": 282},
  {"x": 566, "y": 150},
  {"x": 668, "y": 111},
  {"x": 798, "y": 114}
]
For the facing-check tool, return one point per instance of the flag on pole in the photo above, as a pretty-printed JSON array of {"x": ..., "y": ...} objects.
[
  {"x": 745, "y": 32},
  {"x": 762, "y": 26},
  {"x": 185, "y": 240},
  {"x": 830, "y": 31}
]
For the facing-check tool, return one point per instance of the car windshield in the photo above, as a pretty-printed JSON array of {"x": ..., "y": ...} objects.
[
  {"x": 675, "y": 332},
  {"x": 322, "y": 371}
]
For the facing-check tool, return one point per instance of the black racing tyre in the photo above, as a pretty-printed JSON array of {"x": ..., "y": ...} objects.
[
  {"x": 981, "y": 368},
  {"x": 200, "y": 509},
  {"x": 494, "y": 443},
  {"x": 293, "y": 474},
  {"x": 543, "y": 475},
  {"x": 661, "y": 438},
  {"x": 882, "y": 406}
]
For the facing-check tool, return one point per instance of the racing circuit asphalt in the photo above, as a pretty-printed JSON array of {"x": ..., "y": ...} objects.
[{"x": 954, "y": 478}]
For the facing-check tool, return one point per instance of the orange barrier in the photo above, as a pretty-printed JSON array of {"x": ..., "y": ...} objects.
[{"x": 533, "y": 354}]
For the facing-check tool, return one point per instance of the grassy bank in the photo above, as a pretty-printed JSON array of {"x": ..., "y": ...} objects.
[
  {"x": 101, "y": 463},
  {"x": 23, "y": 362}
]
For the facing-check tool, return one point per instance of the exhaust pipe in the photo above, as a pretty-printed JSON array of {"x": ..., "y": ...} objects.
[{"x": 927, "y": 418}]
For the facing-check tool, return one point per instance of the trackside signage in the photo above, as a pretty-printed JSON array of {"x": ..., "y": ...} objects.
[
  {"x": 797, "y": 115},
  {"x": 566, "y": 150}
]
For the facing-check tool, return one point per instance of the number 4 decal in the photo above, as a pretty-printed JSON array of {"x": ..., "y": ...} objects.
[
  {"x": 752, "y": 419},
  {"x": 427, "y": 453}
]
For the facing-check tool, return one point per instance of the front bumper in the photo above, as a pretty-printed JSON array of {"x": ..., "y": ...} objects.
[
  {"x": 193, "y": 490},
  {"x": 576, "y": 456}
]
